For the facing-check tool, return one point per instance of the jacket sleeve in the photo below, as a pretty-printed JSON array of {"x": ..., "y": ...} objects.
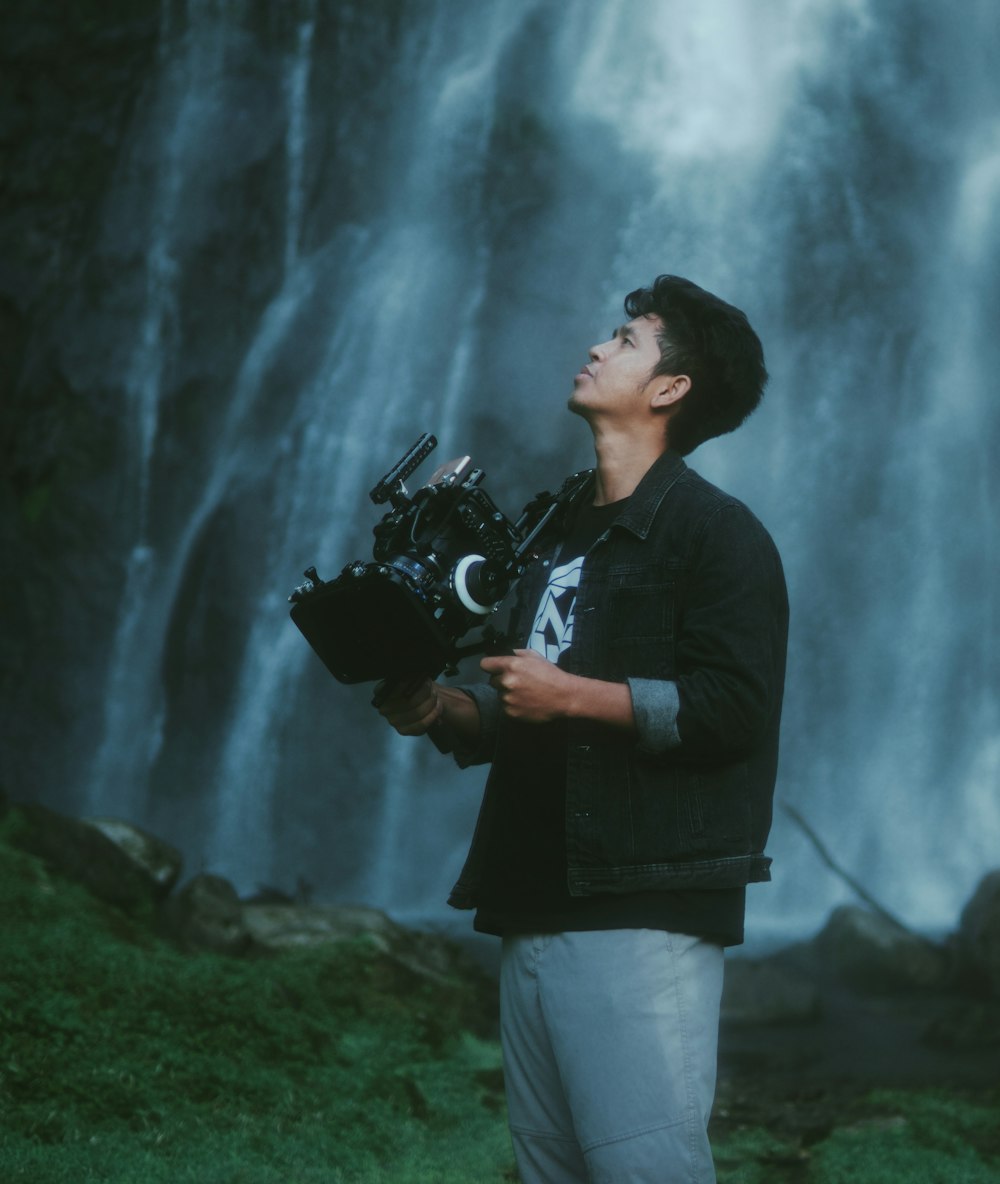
[
  {"x": 485, "y": 698},
  {"x": 732, "y": 626}
]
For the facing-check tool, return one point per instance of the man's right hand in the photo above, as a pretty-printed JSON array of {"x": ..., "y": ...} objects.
[{"x": 411, "y": 707}]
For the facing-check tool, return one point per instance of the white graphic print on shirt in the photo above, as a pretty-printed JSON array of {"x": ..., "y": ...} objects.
[{"x": 552, "y": 631}]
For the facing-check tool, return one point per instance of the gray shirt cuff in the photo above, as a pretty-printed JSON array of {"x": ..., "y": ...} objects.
[{"x": 655, "y": 703}]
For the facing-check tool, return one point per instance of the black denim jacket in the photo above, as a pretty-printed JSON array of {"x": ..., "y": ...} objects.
[{"x": 684, "y": 599}]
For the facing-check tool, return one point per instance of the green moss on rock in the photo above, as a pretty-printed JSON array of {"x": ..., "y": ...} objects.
[{"x": 123, "y": 1059}]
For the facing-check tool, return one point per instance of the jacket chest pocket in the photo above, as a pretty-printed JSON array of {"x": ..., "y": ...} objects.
[
  {"x": 641, "y": 628},
  {"x": 639, "y": 610}
]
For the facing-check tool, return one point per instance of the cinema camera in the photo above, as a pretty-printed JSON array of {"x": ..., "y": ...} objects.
[{"x": 443, "y": 560}]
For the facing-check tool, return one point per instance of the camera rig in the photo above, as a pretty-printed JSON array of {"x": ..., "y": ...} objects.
[{"x": 443, "y": 560}]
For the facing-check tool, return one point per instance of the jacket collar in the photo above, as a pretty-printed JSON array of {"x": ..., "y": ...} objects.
[{"x": 642, "y": 506}]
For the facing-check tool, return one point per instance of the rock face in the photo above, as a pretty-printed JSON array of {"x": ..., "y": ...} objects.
[
  {"x": 118, "y": 862},
  {"x": 284, "y": 926},
  {"x": 160, "y": 862},
  {"x": 207, "y": 915},
  {"x": 90, "y": 856},
  {"x": 288, "y": 926},
  {"x": 868, "y": 952},
  {"x": 978, "y": 938},
  {"x": 70, "y": 84}
]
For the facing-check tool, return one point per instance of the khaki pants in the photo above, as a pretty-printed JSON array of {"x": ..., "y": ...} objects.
[{"x": 610, "y": 1041}]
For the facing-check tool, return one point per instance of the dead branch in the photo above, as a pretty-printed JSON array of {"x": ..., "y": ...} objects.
[{"x": 823, "y": 851}]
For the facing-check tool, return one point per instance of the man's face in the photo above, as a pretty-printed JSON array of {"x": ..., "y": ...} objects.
[{"x": 617, "y": 380}]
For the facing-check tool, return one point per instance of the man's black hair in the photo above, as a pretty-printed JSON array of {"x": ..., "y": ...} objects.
[{"x": 713, "y": 344}]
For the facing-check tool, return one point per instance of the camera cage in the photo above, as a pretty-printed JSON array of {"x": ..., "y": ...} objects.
[{"x": 443, "y": 561}]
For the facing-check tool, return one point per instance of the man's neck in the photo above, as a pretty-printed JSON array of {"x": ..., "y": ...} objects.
[{"x": 622, "y": 462}]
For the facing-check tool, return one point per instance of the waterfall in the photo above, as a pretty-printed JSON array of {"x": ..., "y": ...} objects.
[
  {"x": 133, "y": 709},
  {"x": 341, "y": 227},
  {"x": 297, "y": 91}
]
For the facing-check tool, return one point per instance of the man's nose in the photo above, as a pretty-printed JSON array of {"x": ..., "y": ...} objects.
[{"x": 595, "y": 353}]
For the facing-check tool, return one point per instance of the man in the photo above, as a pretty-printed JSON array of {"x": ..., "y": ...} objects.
[{"x": 633, "y": 736}]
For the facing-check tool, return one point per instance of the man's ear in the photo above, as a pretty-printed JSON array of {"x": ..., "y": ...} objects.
[{"x": 668, "y": 389}]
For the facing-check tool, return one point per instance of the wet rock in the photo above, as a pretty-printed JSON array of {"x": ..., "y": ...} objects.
[
  {"x": 763, "y": 991},
  {"x": 85, "y": 854},
  {"x": 277, "y": 926},
  {"x": 870, "y": 953},
  {"x": 978, "y": 937},
  {"x": 157, "y": 860},
  {"x": 282, "y": 926},
  {"x": 206, "y": 914}
]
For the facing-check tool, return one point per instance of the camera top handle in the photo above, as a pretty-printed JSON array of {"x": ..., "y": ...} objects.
[{"x": 391, "y": 485}]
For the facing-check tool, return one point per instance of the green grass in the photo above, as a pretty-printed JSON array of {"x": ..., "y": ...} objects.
[
  {"x": 125, "y": 1061},
  {"x": 915, "y": 1137},
  {"x": 884, "y": 1137}
]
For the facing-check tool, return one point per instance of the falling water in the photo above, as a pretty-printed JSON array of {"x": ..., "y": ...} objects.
[
  {"x": 455, "y": 199},
  {"x": 133, "y": 710},
  {"x": 297, "y": 91}
]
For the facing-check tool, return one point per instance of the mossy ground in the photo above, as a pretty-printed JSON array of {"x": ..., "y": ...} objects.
[
  {"x": 124, "y": 1060},
  {"x": 898, "y": 1136}
]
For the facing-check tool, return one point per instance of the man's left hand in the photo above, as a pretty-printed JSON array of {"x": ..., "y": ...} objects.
[{"x": 530, "y": 688}]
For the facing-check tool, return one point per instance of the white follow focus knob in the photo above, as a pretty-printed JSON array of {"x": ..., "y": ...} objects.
[{"x": 460, "y": 583}]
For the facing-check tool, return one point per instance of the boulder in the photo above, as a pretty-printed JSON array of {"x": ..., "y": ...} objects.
[
  {"x": 279, "y": 926},
  {"x": 871, "y": 953},
  {"x": 157, "y": 860},
  {"x": 206, "y": 914},
  {"x": 85, "y": 854},
  {"x": 978, "y": 937},
  {"x": 282, "y": 926}
]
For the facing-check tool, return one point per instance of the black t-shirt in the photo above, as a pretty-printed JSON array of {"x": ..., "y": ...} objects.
[{"x": 524, "y": 885}]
